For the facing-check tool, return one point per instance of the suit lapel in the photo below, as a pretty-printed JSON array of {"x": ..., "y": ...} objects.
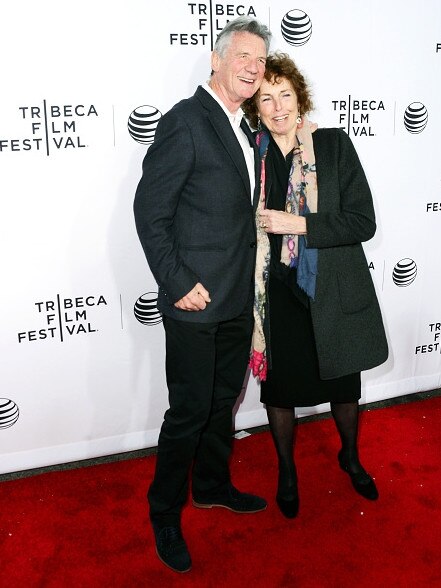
[
  {"x": 246, "y": 129},
  {"x": 226, "y": 134}
]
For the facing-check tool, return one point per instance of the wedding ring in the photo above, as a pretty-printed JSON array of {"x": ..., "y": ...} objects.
[{"x": 263, "y": 225}]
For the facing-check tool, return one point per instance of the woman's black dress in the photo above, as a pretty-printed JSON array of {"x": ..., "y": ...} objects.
[{"x": 293, "y": 379}]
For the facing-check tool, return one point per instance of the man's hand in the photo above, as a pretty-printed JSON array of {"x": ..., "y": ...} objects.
[{"x": 196, "y": 299}]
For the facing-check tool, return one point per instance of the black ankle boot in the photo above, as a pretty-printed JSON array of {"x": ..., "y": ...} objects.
[
  {"x": 287, "y": 497},
  {"x": 361, "y": 481},
  {"x": 289, "y": 507}
]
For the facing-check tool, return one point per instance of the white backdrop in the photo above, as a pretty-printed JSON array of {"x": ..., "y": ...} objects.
[{"x": 81, "y": 376}]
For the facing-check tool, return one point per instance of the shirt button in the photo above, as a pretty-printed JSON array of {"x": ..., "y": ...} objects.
[{"x": 252, "y": 244}]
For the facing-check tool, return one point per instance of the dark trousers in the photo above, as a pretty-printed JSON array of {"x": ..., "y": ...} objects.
[{"x": 205, "y": 368}]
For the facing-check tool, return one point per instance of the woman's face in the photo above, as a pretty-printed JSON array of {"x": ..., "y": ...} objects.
[{"x": 277, "y": 106}]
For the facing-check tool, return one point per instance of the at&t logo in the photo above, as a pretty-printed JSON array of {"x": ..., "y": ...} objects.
[
  {"x": 416, "y": 117},
  {"x": 146, "y": 310},
  {"x": 296, "y": 28},
  {"x": 9, "y": 413},
  {"x": 142, "y": 124},
  {"x": 405, "y": 272}
]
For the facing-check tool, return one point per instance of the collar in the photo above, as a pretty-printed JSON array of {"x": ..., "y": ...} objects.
[{"x": 236, "y": 118}]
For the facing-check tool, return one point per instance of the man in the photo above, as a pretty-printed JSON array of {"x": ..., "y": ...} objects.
[{"x": 194, "y": 211}]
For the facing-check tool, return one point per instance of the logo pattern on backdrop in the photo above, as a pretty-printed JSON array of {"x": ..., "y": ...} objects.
[
  {"x": 296, "y": 27},
  {"x": 404, "y": 272},
  {"x": 143, "y": 122},
  {"x": 357, "y": 116},
  {"x": 416, "y": 117},
  {"x": 63, "y": 318},
  {"x": 50, "y": 127},
  {"x": 210, "y": 18},
  {"x": 9, "y": 413},
  {"x": 146, "y": 310},
  {"x": 434, "y": 344}
]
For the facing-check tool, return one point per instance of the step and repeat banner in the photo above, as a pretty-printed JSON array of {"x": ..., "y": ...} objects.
[{"x": 83, "y": 87}]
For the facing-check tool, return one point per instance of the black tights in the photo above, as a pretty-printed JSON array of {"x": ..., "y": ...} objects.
[
  {"x": 346, "y": 419},
  {"x": 281, "y": 422}
]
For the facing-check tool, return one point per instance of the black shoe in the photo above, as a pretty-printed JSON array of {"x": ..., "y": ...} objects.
[
  {"x": 361, "y": 481},
  {"x": 288, "y": 507},
  {"x": 171, "y": 548},
  {"x": 232, "y": 499}
]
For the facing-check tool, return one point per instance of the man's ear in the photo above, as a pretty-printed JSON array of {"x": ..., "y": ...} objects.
[{"x": 215, "y": 61}]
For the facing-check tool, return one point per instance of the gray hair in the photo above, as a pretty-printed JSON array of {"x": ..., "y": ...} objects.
[{"x": 243, "y": 24}]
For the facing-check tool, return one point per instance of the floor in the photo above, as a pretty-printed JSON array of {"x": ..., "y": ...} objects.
[{"x": 152, "y": 450}]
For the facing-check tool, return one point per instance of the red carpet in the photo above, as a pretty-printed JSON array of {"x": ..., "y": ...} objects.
[{"x": 88, "y": 527}]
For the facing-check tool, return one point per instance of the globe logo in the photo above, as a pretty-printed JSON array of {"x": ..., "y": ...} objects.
[
  {"x": 146, "y": 310},
  {"x": 142, "y": 124},
  {"x": 416, "y": 117},
  {"x": 9, "y": 413},
  {"x": 296, "y": 27},
  {"x": 404, "y": 272}
]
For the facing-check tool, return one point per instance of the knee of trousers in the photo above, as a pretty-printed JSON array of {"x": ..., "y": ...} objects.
[{"x": 183, "y": 423}]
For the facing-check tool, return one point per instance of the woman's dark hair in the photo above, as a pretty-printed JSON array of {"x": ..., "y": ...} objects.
[{"x": 279, "y": 66}]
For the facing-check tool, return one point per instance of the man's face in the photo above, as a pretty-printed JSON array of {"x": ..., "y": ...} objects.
[{"x": 240, "y": 72}]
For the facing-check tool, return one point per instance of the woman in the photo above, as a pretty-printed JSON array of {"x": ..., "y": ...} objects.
[{"x": 318, "y": 322}]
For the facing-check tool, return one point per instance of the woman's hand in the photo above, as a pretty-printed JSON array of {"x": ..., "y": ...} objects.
[{"x": 282, "y": 223}]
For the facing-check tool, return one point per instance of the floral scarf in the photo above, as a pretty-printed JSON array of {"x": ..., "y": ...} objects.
[{"x": 301, "y": 199}]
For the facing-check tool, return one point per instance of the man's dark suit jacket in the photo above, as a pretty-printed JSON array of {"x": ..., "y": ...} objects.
[{"x": 194, "y": 212}]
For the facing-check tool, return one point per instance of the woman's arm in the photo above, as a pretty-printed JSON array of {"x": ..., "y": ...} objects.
[{"x": 353, "y": 223}]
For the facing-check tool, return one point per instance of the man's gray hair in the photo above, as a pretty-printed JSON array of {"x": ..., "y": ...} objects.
[{"x": 243, "y": 24}]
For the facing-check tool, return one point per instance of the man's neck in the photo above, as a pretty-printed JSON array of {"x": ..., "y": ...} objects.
[{"x": 221, "y": 93}]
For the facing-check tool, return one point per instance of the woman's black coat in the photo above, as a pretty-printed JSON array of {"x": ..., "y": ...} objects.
[{"x": 346, "y": 316}]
